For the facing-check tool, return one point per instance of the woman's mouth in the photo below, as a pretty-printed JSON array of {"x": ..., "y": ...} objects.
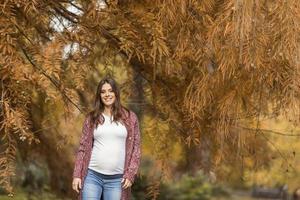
[{"x": 108, "y": 99}]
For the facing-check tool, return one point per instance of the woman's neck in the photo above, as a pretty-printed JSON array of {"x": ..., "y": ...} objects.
[{"x": 107, "y": 111}]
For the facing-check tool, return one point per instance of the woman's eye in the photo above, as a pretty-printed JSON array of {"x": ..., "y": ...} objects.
[{"x": 109, "y": 91}]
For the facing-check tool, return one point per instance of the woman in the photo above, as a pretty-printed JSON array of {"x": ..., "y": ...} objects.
[{"x": 109, "y": 153}]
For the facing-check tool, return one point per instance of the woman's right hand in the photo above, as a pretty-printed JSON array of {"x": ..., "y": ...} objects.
[{"x": 76, "y": 184}]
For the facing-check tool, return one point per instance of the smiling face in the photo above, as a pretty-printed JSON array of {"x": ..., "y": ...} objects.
[{"x": 108, "y": 97}]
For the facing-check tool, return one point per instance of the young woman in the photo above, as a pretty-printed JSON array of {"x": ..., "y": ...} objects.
[{"x": 109, "y": 153}]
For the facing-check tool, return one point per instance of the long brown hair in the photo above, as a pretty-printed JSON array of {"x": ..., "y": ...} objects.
[{"x": 117, "y": 108}]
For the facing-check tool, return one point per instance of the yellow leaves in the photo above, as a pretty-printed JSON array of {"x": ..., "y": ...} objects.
[
  {"x": 7, "y": 158},
  {"x": 159, "y": 47},
  {"x": 29, "y": 6},
  {"x": 7, "y": 170},
  {"x": 16, "y": 121},
  {"x": 198, "y": 96},
  {"x": 172, "y": 68},
  {"x": 127, "y": 47},
  {"x": 191, "y": 140},
  {"x": 129, "y": 37},
  {"x": 7, "y": 41},
  {"x": 72, "y": 95},
  {"x": 228, "y": 29},
  {"x": 153, "y": 189},
  {"x": 49, "y": 58},
  {"x": 184, "y": 45},
  {"x": 228, "y": 100},
  {"x": 143, "y": 37}
]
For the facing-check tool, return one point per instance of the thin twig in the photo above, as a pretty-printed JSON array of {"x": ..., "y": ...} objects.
[
  {"x": 42, "y": 129},
  {"x": 278, "y": 150},
  {"x": 269, "y": 141},
  {"x": 2, "y": 97},
  {"x": 73, "y": 4},
  {"x": 270, "y": 131}
]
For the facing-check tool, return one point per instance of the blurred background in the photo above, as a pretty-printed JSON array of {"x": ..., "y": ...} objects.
[{"x": 215, "y": 85}]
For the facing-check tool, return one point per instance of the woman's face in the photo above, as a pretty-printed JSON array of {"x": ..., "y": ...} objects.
[{"x": 108, "y": 97}]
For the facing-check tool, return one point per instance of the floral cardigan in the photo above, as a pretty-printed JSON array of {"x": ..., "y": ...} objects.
[{"x": 132, "y": 151}]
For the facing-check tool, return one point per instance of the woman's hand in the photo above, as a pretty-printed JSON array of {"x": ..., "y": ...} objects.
[
  {"x": 76, "y": 184},
  {"x": 126, "y": 184}
]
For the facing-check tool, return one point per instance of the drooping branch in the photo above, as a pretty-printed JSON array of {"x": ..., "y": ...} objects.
[
  {"x": 53, "y": 81},
  {"x": 269, "y": 131}
]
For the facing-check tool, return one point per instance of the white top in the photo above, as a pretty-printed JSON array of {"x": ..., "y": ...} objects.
[{"x": 108, "y": 154}]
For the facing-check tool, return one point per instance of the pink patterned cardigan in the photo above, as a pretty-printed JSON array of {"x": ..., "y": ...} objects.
[{"x": 132, "y": 155}]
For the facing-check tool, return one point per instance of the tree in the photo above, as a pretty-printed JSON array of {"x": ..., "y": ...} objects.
[{"x": 215, "y": 68}]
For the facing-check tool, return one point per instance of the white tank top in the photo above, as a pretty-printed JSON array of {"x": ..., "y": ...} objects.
[{"x": 108, "y": 154}]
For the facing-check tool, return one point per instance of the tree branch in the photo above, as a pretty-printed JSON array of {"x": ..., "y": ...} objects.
[
  {"x": 269, "y": 131},
  {"x": 53, "y": 81}
]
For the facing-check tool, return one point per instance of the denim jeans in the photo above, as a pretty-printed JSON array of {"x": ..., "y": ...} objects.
[{"x": 97, "y": 184}]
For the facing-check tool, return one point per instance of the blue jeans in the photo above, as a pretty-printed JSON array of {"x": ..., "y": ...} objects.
[{"x": 97, "y": 184}]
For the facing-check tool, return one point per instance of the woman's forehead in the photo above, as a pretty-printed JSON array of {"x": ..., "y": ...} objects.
[{"x": 106, "y": 86}]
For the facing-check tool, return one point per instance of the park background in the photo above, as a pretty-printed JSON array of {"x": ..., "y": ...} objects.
[{"x": 215, "y": 85}]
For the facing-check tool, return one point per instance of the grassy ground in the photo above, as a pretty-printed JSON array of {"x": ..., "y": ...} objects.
[
  {"x": 22, "y": 195},
  {"x": 239, "y": 195}
]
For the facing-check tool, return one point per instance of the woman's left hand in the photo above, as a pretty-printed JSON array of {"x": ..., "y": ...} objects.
[{"x": 126, "y": 182}]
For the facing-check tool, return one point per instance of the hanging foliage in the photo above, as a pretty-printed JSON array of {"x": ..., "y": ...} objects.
[{"x": 215, "y": 68}]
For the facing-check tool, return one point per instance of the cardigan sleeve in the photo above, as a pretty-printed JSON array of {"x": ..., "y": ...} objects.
[
  {"x": 136, "y": 153},
  {"x": 81, "y": 150}
]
